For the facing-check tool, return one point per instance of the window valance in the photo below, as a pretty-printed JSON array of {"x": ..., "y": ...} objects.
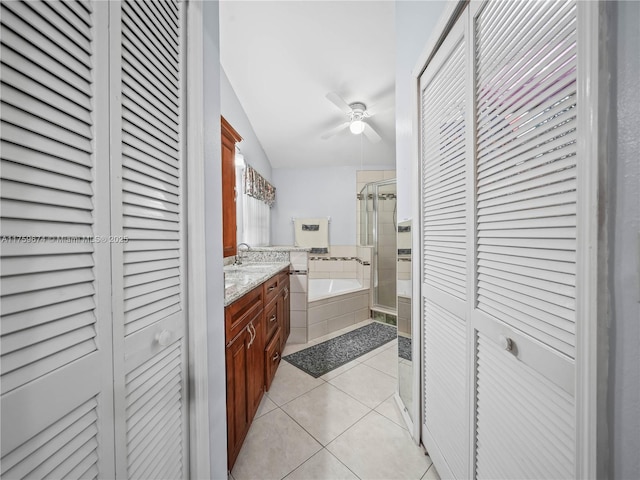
[{"x": 256, "y": 186}]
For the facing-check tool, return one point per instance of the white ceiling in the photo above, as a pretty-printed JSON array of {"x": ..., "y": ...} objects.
[{"x": 283, "y": 57}]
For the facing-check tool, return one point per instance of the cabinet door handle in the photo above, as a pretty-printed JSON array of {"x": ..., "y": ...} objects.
[
  {"x": 275, "y": 357},
  {"x": 273, "y": 318},
  {"x": 286, "y": 292},
  {"x": 252, "y": 333},
  {"x": 272, "y": 288}
]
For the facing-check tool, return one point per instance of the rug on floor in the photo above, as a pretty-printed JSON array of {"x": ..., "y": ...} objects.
[
  {"x": 404, "y": 347},
  {"x": 326, "y": 356}
]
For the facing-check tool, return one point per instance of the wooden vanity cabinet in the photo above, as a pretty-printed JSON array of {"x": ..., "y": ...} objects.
[
  {"x": 244, "y": 367},
  {"x": 229, "y": 139},
  {"x": 277, "y": 322},
  {"x": 256, "y": 328}
]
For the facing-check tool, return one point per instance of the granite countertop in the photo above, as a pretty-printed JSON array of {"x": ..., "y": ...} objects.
[
  {"x": 241, "y": 279},
  {"x": 280, "y": 248}
]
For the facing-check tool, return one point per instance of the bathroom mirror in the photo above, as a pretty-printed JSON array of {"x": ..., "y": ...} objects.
[{"x": 404, "y": 287}]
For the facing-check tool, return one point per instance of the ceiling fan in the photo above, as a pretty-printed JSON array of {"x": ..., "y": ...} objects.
[{"x": 357, "y": 113}]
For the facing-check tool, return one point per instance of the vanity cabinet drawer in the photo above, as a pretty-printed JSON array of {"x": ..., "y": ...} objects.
[
  {"x": 271, "y": 288},
  {"x": 272, "y": 355},
  {"x": 239, "y": 313},
  {"x": 271, "y": 319}
]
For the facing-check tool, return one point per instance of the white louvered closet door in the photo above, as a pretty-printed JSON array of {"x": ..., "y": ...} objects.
[
  {"x": 56, "y": 402},
  {"x": 444, "y": 161},
  {"x": 148, "y": 173},
  {"x": 524, "y": 309}
]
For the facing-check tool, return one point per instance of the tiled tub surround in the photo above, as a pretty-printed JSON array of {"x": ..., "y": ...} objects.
[
  {"x": 343, "y": 262},
  {"x": 333, "y": 313}
]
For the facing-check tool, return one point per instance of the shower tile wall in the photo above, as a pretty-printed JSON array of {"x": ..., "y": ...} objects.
[
  {"x": 341, "y": 262},
  {"x": 362, "y": 178},
  {"x": 387, "y": 247},
  {"x": 299, "y": 297},
  {"x": 363, "y": 268}
]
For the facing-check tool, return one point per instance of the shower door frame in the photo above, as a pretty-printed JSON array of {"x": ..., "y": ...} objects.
[{"x": 374, "y": 277}]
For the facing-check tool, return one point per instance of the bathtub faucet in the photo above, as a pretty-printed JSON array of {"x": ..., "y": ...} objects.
[{"x": 238, "y": 259}]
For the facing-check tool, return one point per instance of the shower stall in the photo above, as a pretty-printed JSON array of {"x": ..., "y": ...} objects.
[{"x": 378, "y": 222}]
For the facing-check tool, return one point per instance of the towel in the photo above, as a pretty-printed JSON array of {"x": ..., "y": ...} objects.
[{"x": 312, "y": 233}]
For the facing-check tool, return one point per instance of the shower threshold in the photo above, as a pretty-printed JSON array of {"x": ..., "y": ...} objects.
[{"x": 384, "y": 315}]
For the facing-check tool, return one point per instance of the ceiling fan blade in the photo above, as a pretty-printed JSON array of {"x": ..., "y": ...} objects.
[
  {"x": 382, "y": 106},
  {"x": 339, "y": 102},
  {"x": 371, "y": 134},
  {"x": 334, "y": 131}
]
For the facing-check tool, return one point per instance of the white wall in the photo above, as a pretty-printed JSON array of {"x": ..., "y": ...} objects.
[
  {"x": 624, "y": 334},
  {"x": 233, "y": 111},
  {"x": 316, "y": 192},
  {"x": 415, "y": 21}
]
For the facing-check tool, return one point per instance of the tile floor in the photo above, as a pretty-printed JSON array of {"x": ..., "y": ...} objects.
[{"x": 343, "y": 425}]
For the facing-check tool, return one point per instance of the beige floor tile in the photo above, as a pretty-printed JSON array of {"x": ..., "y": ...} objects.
[
  {"x": 389, "y": 408},
  {"x": 376, "y": 448},
  {"x": 293, "y": 348},
  {"x": 386, "y": 362},
  {"x": 266, "y": 405},
  {"x": 339, "y": 371},
  {"x": 373, "y": 353},
  {"x": 275, "y": 445},
  {"x": 291, "y": 382},
  {"x": 366, "y": 384},
  {"x": 432, "y": 474},
  {"x": 322, "y": 466},
  {"x": 325, "y": 412}
]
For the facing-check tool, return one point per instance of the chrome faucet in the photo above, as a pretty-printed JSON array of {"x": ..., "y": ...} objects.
[{"x": 238, "y": 259}]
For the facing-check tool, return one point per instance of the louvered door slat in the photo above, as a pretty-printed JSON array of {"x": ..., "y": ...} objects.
[
  {"x": 148, "y": 12},
  {"x": 52, "y": 115},
  {"x": 149, "y": 268},
  {"x": 499, "y": 65},
  {"x": 153, "y": 388},
  {"x": 64, "y": 55},
  {"x": 14, "y": 134},
  {"x": 81, "y": 9},
  {"x": 66, "y": 12},
  {"x": 130, "y": 198},
  {"x": 38, "y": 91},
  {"x": 36, "y": 194},
  {"x": 554, "y": 434},
  {"x": 132, "y": 153},
  {"x": 144, "y": 191},
  {"x": 443, "y": 192},
  {"x": 52, "y": 82},
  {"x": 24, "y": 120},
  {"x": 171, "y": 185},
  {"x": 444, "y": 361},
  {"x": 526, "y": 220},
  {"x": 135, "y": 14},
  {"x": 53, "y": 337},
  {"x": 24, "y": 339},
  {"x": 46, "y": 171},
  {"x": 47, "y": 446}
]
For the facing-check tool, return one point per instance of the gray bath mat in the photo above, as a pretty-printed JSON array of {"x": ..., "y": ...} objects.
[
  {"x": 329, "y": 355},
  {"x": 404, "y": 347}
]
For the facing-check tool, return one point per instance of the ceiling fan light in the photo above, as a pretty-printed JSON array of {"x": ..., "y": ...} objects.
[{"x": 356, "y": 127}]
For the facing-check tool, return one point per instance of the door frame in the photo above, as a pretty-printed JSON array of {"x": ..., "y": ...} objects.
[
  {"x": 205, "y": 287},
  {"x": 591, "y": 287}
]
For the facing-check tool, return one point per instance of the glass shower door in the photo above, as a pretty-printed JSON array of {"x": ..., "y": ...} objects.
[{"x": 385, "y": 246}]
